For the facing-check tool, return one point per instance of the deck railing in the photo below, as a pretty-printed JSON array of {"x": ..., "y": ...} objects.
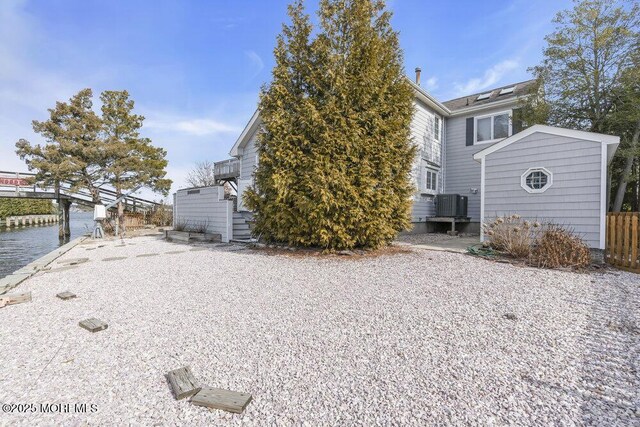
[
  {"x": 229, "y": 168},
  {"x": 622, "y": 240}
]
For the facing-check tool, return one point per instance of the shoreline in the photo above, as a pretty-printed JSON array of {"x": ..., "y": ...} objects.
[
  {"x": 312, "y": 338},
  {"x": 12, "y": 280}
]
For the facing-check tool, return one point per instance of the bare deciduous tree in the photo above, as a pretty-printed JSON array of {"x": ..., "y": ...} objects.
[{"x": 202, "y": 175}]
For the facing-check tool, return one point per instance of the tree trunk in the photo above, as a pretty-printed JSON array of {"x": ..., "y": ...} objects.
[
  {"x": 67, "y": 224},
  {"x": 120, "y": 214},
  {"x": 60, "y": 212},
  {"x": 626, "y": 172}
]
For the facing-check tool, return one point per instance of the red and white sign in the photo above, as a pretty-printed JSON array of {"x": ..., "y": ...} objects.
[{"x": 13, "y": 181}]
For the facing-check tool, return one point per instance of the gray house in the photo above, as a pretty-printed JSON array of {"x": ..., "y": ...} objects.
[{"x": 472, "y": 146}]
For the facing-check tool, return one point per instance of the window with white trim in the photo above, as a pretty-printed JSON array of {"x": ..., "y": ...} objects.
[
  {"x": 436, "y": 128},
  {"x": 493, "y": 127},
  {"x": 536, "y": 180},
  {"x": 431, "y": 184}
]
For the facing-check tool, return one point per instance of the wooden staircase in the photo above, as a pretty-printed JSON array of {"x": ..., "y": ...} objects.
[{"x": 242, "y": 224}]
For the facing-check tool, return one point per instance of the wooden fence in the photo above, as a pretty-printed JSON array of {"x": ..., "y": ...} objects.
[
  {"x": 622, "y": 240},
  {"x": 132, "y": 220}
]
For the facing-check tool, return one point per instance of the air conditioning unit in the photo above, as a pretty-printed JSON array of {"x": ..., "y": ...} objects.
[{"x": 451, "y": 205}]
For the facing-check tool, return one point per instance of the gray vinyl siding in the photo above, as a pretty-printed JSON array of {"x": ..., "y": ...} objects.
[
  {"x": 249, "y": 158},
  {"x": 572, "y": 200},
  {"x": 462, "y": 173},
  {"x": 423, "y": 207},
  {"x": 205, "y": 206}
]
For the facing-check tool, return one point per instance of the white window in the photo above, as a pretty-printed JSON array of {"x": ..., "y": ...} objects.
[
  {"x": 436, "y": 128},
  {"x": 507, "y": 90},
  {"x": 493, "y": 127},
  {"x": 431, "y": 180},
  {"x": 536, "y": 180}
]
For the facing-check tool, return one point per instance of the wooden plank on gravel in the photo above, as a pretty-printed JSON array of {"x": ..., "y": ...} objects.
[
  {"x": 66, "y": 295},
  {"x": 217, "y": 398},
  {"x": 175, "y": 252},
  {"x": 93, "y": 325},
  {"x": 145, "y": 255},
  {"x": 114, "y": 258},
  {"x": 15, "y": 298},
  {"x": 73, "y": 261},
  {"x": 183, "y": 383},
  {"x": 66, "y": 267}
]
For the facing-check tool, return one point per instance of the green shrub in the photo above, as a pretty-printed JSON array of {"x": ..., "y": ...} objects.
[{"x": 16, "y": 207}]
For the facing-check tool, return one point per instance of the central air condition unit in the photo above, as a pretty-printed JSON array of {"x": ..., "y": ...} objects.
[{"x": 451, "y": 205}]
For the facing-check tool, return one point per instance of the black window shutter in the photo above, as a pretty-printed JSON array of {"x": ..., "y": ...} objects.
[
  {"x": 517, "y": 124},
  {"x": 470, "y": 131}
]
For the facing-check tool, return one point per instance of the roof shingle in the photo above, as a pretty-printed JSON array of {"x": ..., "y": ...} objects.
[{"x": 520, "y": 89}]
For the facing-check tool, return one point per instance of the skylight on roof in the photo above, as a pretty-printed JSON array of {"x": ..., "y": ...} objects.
[
  {"x": 507, "y": 90},
  {"x": 483, "y": 96}
]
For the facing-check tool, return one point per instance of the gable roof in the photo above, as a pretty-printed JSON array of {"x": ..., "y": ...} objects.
[
  {"x": 425, "y": 97},
  {"x": 448, "y": 108},
  {"x": 494, "y": 96},
  {"x": 610, "y": 140},
  {"x": 253, "y": 124}
]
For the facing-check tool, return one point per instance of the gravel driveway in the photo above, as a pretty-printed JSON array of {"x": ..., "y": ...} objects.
[{"x": 416, "y": 339}]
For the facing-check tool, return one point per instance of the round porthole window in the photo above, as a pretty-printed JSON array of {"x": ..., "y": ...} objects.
[{"x": 536, "y": 180}]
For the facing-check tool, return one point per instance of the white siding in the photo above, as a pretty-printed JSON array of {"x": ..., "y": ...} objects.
[
  {"x": 205, "y": 206},
  {"x": 572, "y": 200},
  {"x": 249, "y": 158},
  {"x": 429, "y": 155}
]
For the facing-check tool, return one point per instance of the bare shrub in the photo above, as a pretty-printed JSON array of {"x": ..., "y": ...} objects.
[
  {"x": 560, "y": 247},
  {"x": 161, "y": 215},
  {"x": 200, "y": 226},
  {"x": 181, "y": 224},
  {"x": 512, "y": 235}
]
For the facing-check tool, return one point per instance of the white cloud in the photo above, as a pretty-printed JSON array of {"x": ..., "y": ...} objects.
[
  {"x": 28, "y": 87},
  {"x": 491, "y": 76},
  {"x": 186, "y": 125},
  {"x": 256, "y": 62},
  {"x": 431, "y": 83}
]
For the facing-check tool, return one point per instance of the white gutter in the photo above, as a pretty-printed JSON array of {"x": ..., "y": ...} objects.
[{"x": 423, "y": 96}]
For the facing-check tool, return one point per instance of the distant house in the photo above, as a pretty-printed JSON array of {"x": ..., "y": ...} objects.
[{"x": 473, "y": 146}]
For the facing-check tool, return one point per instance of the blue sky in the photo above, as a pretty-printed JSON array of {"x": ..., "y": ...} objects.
[{"x": 195, "y": 68}]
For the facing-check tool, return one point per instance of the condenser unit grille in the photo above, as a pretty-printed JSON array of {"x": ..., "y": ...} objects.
[{"x": 451, "y": 205}]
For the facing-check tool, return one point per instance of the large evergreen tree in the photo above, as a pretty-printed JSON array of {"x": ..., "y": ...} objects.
[
  {"x": 132, "y": 161},
  {"x": 625, "y": 121},
  {"x": 588, "y": 78},
  {"x": 90, "y": 151},
  {"x": 335, "y": 153},
  {"x": 72, "y": 151}
]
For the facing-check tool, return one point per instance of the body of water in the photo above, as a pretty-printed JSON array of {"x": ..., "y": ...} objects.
[{"x": 21, "y": 245}]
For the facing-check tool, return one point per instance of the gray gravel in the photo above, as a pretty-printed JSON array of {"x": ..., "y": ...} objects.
[{"x": 416, "y": 339}]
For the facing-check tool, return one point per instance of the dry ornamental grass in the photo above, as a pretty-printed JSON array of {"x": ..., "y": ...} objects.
[{"x": 543, "y": 245}]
